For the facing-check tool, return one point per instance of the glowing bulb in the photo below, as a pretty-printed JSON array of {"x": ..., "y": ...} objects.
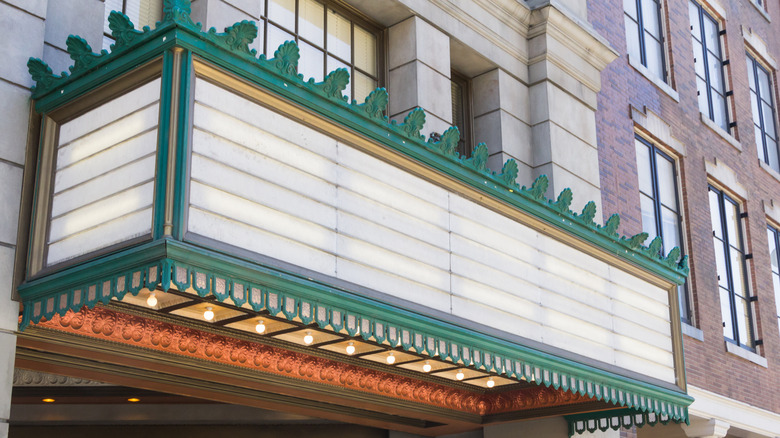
[
  {"x": 208, "y": 315},
  {"x": 260, "y": 327},
  {"x": 152, "y": 300},
  {"x": 134, "y": 400},
  {"x": 48, "y": 400},
  {"x": 427, "y": 367},
  {"x": 351, "y": 349},
  {"x": 308, "y": 339},
  {"x": 491, "y": 383},
  {"x": 460, "y": 375},
  {"x": 390, "y": 358}
]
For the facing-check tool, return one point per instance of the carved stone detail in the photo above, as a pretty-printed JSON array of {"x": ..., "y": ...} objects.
[{"x": 37, "y": 378}]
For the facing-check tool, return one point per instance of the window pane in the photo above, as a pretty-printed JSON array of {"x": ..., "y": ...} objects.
[
  {"x": 643, "y": 168},
  {"x": 144, "y": 12},
  {"x": 107, "y": 41},
  {"x": 311, "y": 22},
  {"x": 720, "y": 263},
  {"x": 654, "y": 57},
  {"x": 737, "y": 272},
  {"x": 719, "y": 111},
  {"x": 650, "y": 18},
  {"x": 333, "y": 64},
  {"x": 754, "y": 108},
  {"x": 276, "y": 37},
  {"x": 711, "y": 35},
  {"x": 312, "y": 62},
  {"x": 365, "y": 50},
  {"x": 671, "y": 229},
  {"x": 698, "y": 54},
  {"x": 339, "y": 36},
  {"x": 632, "y": 39},
  {"x": 693, "y": 15},
  {"x": 629, "y": 6},
  {"x": 716, "y": 72},
  {"x": 769, "y": 119},
  {"x": 725, "y": 310},
  {"x": 751, "y": 78},
  {"x": 715, "y": 215},
  {"x": 666, "y": 183},
  {"x": 743, "y": 321},
  {"x": 282, "y": 12},
  {"x": 732, "y": 224},
  {"x": 770, "y": 238},
  {"x": 763, "y": 84},
  {"x": 648, "y": 217},
  {"x": 702, "y": 88},
  {"x": 771, "y": 149},
  {"x": 776, "y": 281},
  {"x": 364, "y": 85}
]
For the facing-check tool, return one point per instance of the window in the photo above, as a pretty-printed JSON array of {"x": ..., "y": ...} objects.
[
  {"x": 644, "y": 35},
  {"x": 461, "y": 111},
  {"x": 763, "y": 112},
  {"x": 660, "y": 204},
  {"x": 774, "y": 251},
  {"x": 141, "y": 13},
  {"x": 708, "y": 59},
  {"x": 730, "y": 259},
  {"x": 328, "y": 39}
]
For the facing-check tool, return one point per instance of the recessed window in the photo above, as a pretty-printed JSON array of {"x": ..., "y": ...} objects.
[
  {"x": 762, "y": 102},
  {"x": 461, "y": 111},
  {"x": 773, "y": 235},
  {"x": 660, "y": 205},
  {"x": 141, "y": 13},
  {"x": 328, "y": 37},
  {"x": 644, "y": 34},
  {"x": 708, "y": 60},
  {"x": 735, "y": 299}
]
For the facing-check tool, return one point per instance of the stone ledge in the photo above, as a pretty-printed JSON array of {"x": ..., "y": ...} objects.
[
  {"x": 718, "y": 130},
  {"x": 761, "y": 10},
  {"x": 663, "y": 86},
  {"x": 692, "y": 332},
  {"x": 736, "y": 350}
]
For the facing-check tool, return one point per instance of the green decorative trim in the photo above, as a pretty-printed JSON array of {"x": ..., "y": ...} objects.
[
  {"x": 167, "y": 263},
  {"x": 616, "y": 419},
  {"x": 231, "y": 50}
]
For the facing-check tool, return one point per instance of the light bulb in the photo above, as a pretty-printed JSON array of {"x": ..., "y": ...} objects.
[
  {"x": 390, "y": 358},
  {"x": 260, "y": 327},
  {"x": 308, "y": 339},
  {"x": 351, "y": 349},
  {"x": 152, "y": 300},
  {"x": 460, "y": 375},
  {"x": 48, "y": 400},
  {"x": 208, "y": 315},
  {"x": 491, "y": 383},
  {"x": 427, "y": 367},
  {"x": 134, "y": 400}
]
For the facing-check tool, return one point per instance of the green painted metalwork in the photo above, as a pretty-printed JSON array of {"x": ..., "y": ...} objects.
[
  {"x": 615, "y": 420},
  {"x": 167, "y": 262},
  {"x": 163, "y": 135}
]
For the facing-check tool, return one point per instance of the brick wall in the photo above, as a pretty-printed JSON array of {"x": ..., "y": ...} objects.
[{"x": 709, "y": 366}]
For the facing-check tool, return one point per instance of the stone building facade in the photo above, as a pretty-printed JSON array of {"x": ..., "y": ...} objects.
[{"x": 587, "y": 326}]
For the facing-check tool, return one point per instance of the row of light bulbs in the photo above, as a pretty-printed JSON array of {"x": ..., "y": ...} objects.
[{"x": 308, "y": 339}]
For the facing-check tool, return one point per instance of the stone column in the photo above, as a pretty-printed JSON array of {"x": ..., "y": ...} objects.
[
  {"x": 566, "y": 57},
  {"x": 22, "y": 32},
  {"x": 501, "y": 114},
  {"x": 419, "y": 73},
  {"x": 703, "y": 428}
]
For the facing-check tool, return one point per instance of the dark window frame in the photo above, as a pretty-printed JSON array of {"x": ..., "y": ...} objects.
[
  {"x": 684, "y": 296},
  {"x": 754, "y": 67},
  {"x": 704, "y": 14},
  {"x": 466, "y": 143},
  {"x": 775, "y": 232},
  {"x": 723, "y": 197},
  {"x": 640, "y": 22}
]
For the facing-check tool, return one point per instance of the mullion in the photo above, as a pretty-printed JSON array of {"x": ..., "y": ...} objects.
[
  {"x": 761, "y": 127},
  {"x": 705, "y": 60},
  {"x": 641, "y": 27},
  {"x": 727, "y": 262},
  {"x": 661, "y": 41},
  {"x": 746, "y": 297}
]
